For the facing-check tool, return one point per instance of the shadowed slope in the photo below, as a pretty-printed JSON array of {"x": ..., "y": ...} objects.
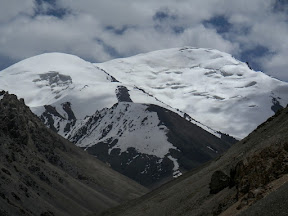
[
  {"x": 44, "y": 174},
  {"x": 234, "y": 182}
]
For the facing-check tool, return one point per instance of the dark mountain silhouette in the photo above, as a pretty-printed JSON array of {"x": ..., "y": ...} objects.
[{"x": 41, "y": 173}]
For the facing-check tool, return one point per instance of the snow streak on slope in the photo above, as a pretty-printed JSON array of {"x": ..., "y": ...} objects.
[
  {"x": 126, "y": 123},
  {"x": 145, "y": 142},
  {"x": 212, "y": 86}
]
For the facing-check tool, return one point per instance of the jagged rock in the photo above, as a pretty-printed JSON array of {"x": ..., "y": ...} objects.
[
  {"x": 219, "y": 181},
  {"x": 122, "y": 94}
]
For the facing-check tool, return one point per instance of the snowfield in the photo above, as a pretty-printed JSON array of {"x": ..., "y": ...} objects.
[
  {"x": 214, "y": 88},
  {"x": 55, "y": 78},
  {"x": 211, "y": 86}
]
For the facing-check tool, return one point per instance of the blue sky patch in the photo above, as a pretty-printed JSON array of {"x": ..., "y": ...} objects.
[
  {"x": 164, "y": 16},
  {"x": 118, "y": 31},
  {"x": 6, "y": 61},
  {"x": 108, "y": 49},
  {"x": 280, "y": 6},
  {"x": 49, "y": 8},
  {"x": 166, "y": 21},
  {"x": 251, "y": 56},
  {"x": 220, "y": 23}
]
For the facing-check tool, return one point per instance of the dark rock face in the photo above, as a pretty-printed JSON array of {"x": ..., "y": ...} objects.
[
  {"x": 144, "y": 169},
  {"x": 54, "y": 77},
  {"x": 259, "y": 170},
  {"x": 252, "y": 176},
  {"x": 122, "y": 94},
  {"x": 228, "y": 139},
  {"x": 276, "y": 105},
  {"x": 47, "y": 117},
  {"x": 219, "y": 181},
  {"x": 248, "y": 65},
  {"x": 191, "y": 140},
  {"x": 51, "y": 115},
  {"x": 43, "y": 174},
  {"x": 56, "y": 81},
  {"x": 71, "y": 117},
  {"x": 67, "y": 108},
  {"x": 111, "y": 78}
]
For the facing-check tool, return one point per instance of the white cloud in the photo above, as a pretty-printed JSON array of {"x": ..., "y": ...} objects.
[
  {"x": 84, "y": 31},
  {"x": 26, "y": 36},
  {"x": 276, "y": 65},
  {"x": 76, "y": 33}
]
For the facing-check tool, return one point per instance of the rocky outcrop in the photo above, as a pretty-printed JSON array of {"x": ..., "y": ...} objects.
[
  {"x": 41, "y": 173},
  {"x": 122, "y": 94},
  {"x": 252, "y": 176},
  {"x": 219, "y": 181},
  {"x": 61, "y": 124}
]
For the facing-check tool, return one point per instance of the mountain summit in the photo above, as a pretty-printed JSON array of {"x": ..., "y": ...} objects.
[
  {"x": 138, "y": 114},
  {"x": 211, "y": 86}
]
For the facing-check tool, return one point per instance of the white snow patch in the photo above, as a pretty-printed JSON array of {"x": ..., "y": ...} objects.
[
  {"x": 54, "y": 78},
  {"x": 212, "y": 149},
  {"x": 133, "y": 126},
  {"x": 176, "y": 170}
]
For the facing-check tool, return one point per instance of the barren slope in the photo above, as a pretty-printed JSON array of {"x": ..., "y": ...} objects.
[
  {"x": 44, "y": 174},
  {"x": 248, "y": 172}
]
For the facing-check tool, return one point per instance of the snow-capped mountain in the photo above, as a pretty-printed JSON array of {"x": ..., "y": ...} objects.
[
  {"x": 121, "y": 124},
  {"x": 138, "y": 114},
  {"x": 209, "y": 85},
  {"x": 146, "y": 142}
]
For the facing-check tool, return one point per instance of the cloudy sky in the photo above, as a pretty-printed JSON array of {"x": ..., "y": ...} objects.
[{"x": 99, "y": 30}]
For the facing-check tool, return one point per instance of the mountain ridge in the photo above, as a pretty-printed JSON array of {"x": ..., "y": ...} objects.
[
  {"x": 39, "y": 166},
  {"x": 215, "y": 72}
]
